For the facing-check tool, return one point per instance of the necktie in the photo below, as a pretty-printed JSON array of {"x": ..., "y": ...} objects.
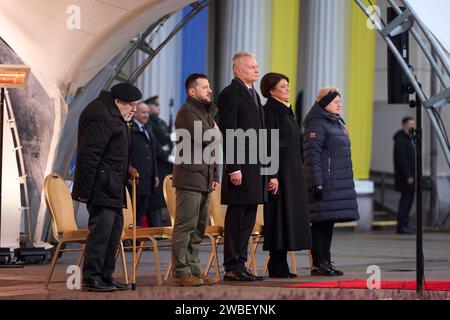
[
  {"x": 253, "y": 94},
  {"x": 145, "y": 132},
  {"x": 255, "y": 99}
]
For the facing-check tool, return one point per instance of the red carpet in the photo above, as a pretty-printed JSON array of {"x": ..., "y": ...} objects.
[{"x": 362, "y": 284}]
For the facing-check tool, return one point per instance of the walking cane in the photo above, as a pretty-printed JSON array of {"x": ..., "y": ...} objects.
[{"x": 133, "y": 204}]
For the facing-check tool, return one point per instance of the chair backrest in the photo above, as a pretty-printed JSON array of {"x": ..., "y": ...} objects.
[
  {"x": 59, "y": 203},
  {"x": 217, "y": 210},
  {"x": 170, "y": 197},
  {"x": 128, "y": 212}
]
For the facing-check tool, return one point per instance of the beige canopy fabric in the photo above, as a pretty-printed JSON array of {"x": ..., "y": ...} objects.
[{"x": 45, "y": 36}]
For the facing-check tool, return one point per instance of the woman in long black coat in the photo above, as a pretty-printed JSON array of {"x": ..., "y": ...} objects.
[
  {"x": 286, "y": 220},
  {"x": 329, "y": 175}
]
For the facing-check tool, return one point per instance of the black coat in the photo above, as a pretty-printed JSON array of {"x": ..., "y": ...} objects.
[
  {"x": 286, "y": 219},
  {"x": 195, "y": 176},
  {"x": 163, "y": 147},
  {"x": 143, "y": 158},
  {"x": 102, "y": 154},
  {"x": 238, "y": 110},
  {"x": 327, "y": 162},
  {"x": 404, "y": 161}
]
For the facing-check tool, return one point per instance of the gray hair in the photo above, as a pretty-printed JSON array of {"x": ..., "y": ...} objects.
[{"x": 238, "y": 56}]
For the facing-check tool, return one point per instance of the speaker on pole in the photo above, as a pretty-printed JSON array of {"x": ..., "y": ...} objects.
[{"x": 399, "y": 87}]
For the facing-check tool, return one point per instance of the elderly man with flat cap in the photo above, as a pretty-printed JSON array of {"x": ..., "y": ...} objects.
[{"x": 101, "y": 173}]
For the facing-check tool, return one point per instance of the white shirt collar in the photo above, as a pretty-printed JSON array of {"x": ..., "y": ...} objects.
[
  {"x": 139, "y": 124},
  {"x": 248, "y": 86}
]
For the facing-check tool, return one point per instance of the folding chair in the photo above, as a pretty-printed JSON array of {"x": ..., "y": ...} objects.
[
  {"x": 212, "y": 232},
  {"x": 153, "y": 234}
]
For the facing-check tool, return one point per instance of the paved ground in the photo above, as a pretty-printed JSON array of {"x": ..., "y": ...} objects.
[{"x": 352, "y": 252}]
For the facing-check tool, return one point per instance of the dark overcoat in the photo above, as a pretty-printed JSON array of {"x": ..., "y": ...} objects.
[
  {"x": 239, "y": 110},
  {"x": 102, "y": 154},
  {"x": 286, "y": 219},
  {"x": 404, "y": 161}
]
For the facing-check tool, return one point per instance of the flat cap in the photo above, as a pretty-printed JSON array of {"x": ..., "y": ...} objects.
[{"x": 126, "y": 92}]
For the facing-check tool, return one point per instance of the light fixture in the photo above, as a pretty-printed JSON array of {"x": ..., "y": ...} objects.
[{"x": 13, "y": 76}]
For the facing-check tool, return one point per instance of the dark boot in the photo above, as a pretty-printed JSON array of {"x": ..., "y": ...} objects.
[
  {"x": 333, "y": 268},
  {"x": 321, "y": 269},
  {"x": 330, "y": 264},
  {"x": 278, "y": 266}
]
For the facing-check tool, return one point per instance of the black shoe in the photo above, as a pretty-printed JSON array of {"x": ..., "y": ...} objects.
[
  {"x": 97, "y": 286},
  {"x": 119, "y": 286},
  {"x": 282, "y": 275},
  {"x": 333, "y": 268},
  {"x": 238, "y": 276},
  {"x": 249, "y": 273},
  {"x": 322, "y": 270}
]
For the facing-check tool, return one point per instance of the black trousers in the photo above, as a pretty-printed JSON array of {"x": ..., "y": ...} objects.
[
  {"x": 404, "y": 207},
  {"x": 105, "y": 226},
  {"x": 239, "y": 224},
  {"x": 143, "y": 209},
  {"x": 277, "y": 265},
  {"x": 322, "y": 234}
]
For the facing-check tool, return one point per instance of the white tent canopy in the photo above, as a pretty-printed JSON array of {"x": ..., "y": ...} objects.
[
  {"x": 64, "y": 58},
  {"x": 435, "y": 15}
]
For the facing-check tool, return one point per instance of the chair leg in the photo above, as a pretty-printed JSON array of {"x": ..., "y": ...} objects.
[
  {"x": 208, "y": 264},
  {"x": 254, "y": 248},
  {"x": 52, "y": 266},
  {"x": 266, "y": 265},
  {"x": 81, "y": 255},
  {"x": 293, "y": 261},
  {"x": 211, "y": 257},
  {"x": 168, "y": 270},
  {"x": 310, "y": 259},
  {"x": 156, "y": 257},
  {"x": 141, "y": 249},
  {"x": 124, "y": 262},
  {"x": 258, "y": 239},
  {"x": 216, "y": 259},
  {"x": 251, "y": 262}
]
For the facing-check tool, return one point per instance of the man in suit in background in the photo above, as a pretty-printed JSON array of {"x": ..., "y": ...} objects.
[
  {"x": 243, "y": 186},
  {"x": 143, "y": 159},
  {"x": 164, "y": 160}
]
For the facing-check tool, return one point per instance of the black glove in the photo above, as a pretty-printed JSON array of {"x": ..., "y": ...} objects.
[{"x": 318, "y": 192}]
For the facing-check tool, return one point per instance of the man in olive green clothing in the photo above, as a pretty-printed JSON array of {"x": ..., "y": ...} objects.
[{"x": 194, "y": 180}]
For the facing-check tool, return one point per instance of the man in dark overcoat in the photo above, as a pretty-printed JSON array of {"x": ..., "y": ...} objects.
[
  {"x": 243, "y": 185},
  {"x": 404, "y": 169},
  {"x": 101, "y": 172}
]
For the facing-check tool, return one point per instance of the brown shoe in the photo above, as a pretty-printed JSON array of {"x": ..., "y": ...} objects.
[
  {"x": 188, "y": 280},
  {"x": 207, "y": 281}
]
